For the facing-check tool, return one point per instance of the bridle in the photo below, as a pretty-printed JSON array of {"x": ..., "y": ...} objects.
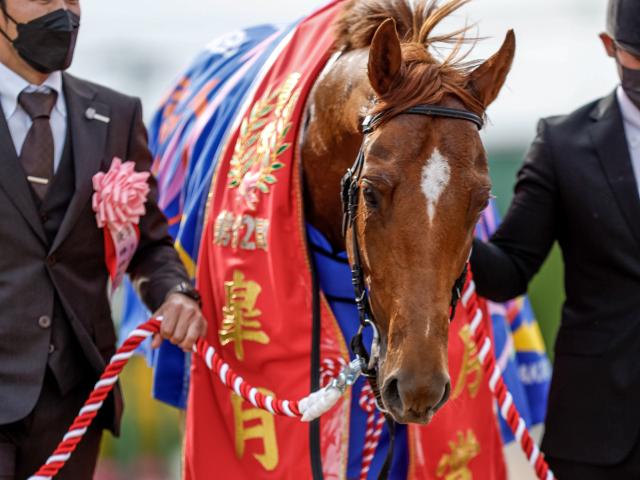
[
  {"x": 350, "y": 193},
  {"x": 350, "y": 190}
]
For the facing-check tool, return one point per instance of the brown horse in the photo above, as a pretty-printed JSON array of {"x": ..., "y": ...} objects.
[{"x": 424, "y": 184}]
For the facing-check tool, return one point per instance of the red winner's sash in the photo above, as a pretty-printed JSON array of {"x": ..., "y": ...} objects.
[{"x": 254, "y": 276}]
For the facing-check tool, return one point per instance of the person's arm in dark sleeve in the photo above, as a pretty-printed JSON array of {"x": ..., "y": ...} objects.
[
  {"x": 156, "y": 267},
  {"x": 503, "y": 267}
]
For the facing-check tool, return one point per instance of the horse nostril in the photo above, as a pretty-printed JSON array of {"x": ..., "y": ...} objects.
[
  {"x": 445, "y": 396},
  {"x": 391, "y": 395}
]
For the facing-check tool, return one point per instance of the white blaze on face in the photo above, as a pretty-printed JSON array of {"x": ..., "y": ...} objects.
[{"x": 435, "y": 178}]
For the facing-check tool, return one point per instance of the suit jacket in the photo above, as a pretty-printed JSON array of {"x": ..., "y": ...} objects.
[
  {"x": 577, "y": 187},
  {"x": 34, "y": 270}
]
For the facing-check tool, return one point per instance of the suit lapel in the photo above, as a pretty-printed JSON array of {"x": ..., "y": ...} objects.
[
  {"x": 14, "y": 181},
  {"x": 88, "y": 137},
  {"x": 607, "y": 134}
]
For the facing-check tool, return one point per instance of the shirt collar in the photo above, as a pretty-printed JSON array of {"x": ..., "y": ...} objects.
[
  {"x": 630, "y": 112},
  {"x": 12, "y": 84}
]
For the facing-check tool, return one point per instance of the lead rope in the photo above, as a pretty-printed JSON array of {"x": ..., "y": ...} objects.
[
  {"x": 110, "y": 376},
  {"x": 306, "y": 409},
  {"x": 507, "y": 408},
  {"x": 373, "y": 428}
]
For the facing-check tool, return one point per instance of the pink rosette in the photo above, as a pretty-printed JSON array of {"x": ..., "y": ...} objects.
[{"x": 119, "y": 195}]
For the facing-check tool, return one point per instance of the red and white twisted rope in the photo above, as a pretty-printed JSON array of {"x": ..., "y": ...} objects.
[
  {"x": 242, "y": 388},
  {"x": 110, "y": 376},
  {"x": 90, "y": 409},
  {"x": 307, "y": 408},
  {"x": 330, "y": 369},
  {"x": 373, "y": 429},
  {"x": 507, "y": 408}
]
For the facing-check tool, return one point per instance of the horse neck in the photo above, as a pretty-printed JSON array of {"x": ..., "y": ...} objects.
[{"x": 332, "y": 140}]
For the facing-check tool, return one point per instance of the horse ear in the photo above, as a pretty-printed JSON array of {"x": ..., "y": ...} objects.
[
  {"x": 486, "y": 81},
  {"x": 385, "y": 57}
]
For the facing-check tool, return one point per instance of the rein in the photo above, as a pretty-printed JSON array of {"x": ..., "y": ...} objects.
[{"x": 350, "y": 194}]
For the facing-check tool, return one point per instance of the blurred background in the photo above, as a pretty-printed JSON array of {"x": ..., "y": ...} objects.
[{"x": 140, "y": 47}]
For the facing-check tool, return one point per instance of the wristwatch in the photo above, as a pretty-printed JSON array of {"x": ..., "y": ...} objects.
[{"x": 186, "y": 289}]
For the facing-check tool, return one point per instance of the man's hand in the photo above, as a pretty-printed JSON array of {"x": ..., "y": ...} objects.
[{"x": 182, "y": 322}]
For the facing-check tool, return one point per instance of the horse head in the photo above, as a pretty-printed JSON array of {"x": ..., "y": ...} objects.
[{"x": 422, "y": 185}]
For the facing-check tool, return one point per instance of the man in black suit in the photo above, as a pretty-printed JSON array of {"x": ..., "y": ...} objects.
[
  {"x": 56, "y": 333},
  {"x": 579, "y": 185}
]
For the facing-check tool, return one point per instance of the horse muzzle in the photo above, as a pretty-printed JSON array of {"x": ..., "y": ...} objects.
[{"x": 413, "y": 398}]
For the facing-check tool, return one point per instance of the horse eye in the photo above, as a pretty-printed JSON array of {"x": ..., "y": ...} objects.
[{"x": 370, "y": 196}]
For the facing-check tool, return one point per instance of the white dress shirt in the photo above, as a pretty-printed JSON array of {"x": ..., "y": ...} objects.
[
  {"x": 631, "y": 120},
  {"x": 19, "y": 122}
]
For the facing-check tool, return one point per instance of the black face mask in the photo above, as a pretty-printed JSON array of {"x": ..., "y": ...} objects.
[
  {"x": 631, "y": 84},
  {"x": 47, "y": 43}
]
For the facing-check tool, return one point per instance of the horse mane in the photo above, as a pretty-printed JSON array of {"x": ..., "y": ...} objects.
[{"x": 424, "y": 78}]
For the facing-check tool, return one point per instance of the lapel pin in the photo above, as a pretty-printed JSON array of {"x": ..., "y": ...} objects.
[{"x": 91, "y": 114}]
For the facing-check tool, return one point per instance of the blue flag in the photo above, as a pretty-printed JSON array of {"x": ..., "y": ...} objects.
[{"x": 186, "y": 138}]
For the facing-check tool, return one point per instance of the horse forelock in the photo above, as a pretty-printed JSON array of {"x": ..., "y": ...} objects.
[{"x": 424, "y": 77}]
